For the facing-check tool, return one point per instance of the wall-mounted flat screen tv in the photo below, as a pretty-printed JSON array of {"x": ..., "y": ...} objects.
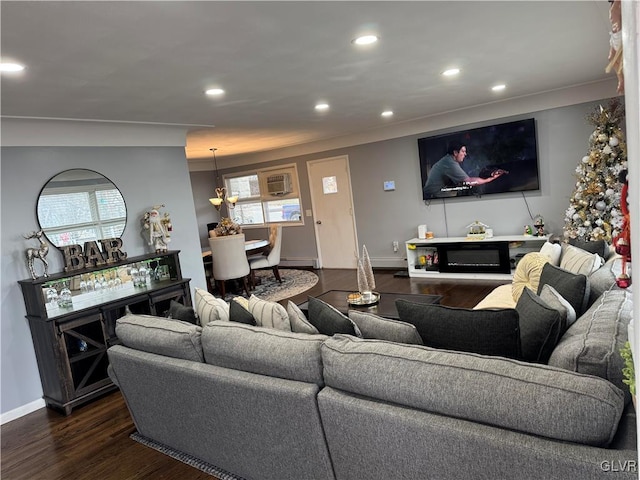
[{"x": 479, "y": 161}]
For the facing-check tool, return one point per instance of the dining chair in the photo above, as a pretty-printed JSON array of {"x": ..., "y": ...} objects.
[
  {"x": 229, "y": 261},
  {"x": 270, "y": 260}
]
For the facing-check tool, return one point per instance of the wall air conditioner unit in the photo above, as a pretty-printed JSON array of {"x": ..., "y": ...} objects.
[{"x": 279, "y": 184}]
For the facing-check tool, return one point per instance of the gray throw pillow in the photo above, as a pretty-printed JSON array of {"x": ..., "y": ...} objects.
[
  {"x": 540, "y": 327},
  {"x": 299, "y": 322},
  {"x": 485, "y": 331},
  {"x": 595, "y": 246},
  {"x": 373, "y": 326},
  {"x": 551, "y": 297},
  {"x": 574, "y": 288},
  {"x": 327, "y": 319}
]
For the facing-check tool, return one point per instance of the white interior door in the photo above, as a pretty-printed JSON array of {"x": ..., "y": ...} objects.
[{"x": 332, "y": 204}]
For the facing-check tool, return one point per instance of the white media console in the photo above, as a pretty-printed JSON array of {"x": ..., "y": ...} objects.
[{"x": 465, "y": 257}]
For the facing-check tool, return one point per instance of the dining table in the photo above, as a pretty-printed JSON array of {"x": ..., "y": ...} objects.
[{"x": 251, "y": 247}]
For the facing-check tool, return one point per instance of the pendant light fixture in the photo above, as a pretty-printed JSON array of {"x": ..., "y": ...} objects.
[{"x": 221, "y": 192}]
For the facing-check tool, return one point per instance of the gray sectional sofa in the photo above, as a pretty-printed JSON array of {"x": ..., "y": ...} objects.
[{"x": 260, "y": 403}]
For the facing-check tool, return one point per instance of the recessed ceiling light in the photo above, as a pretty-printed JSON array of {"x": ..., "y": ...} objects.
[
  {"x": 214, "y": 91},
  {"x": 450, "y": 72},
  {"x": 11, "y": 67},
  {"x": 365, "y": 40},
  {"x": 322, "y": 106},
  {"x": 387, "y": 113},
  {"x": 497, "y": 88}
]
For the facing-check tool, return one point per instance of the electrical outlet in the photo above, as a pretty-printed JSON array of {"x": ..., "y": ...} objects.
[{"x": 395, "y": 245}]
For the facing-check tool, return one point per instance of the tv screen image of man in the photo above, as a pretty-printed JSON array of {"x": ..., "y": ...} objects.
[{"x": 447, "y": 178}]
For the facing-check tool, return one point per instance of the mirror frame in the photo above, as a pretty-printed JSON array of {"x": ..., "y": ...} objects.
[{"x": 42, "y": 190}]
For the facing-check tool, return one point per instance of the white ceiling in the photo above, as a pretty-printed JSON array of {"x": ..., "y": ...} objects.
[{"x": 151, "y": 61}]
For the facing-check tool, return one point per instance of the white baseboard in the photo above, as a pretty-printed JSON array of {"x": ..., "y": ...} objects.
[
  {"x": 22, "y": 411},
  {"x": 299, "y": 262},
  {"x": 379, "y": 262},
  {"x": 389, "y": 262}
]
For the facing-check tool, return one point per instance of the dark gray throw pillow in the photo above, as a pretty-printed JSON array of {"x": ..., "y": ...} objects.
[
  {"x": 485, "y": 331},
  {"x": 178, "y": 311},
  {"x": 327, "y": 319},
  {"x": 595, "y": 246},
  {"x": 540, "y": 327},
  {"x": 574, "y": 288},
  {"x": 237, "y": 313}
]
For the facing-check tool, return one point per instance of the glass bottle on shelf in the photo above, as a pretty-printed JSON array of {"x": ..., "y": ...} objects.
[
  {"x": 134, "y": 275},
  {"x": 143, "y": 272},
  {"x": 97, "y": 286},
  {"x": 117, "y": 281},
  {"x": 64, "y": 298},
  {"x": 103, "y": 283},
  {"x": 91, "y": 287},
  {"x": 52, "y": 296}
]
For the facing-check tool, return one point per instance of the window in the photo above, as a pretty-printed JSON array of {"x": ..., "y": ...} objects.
[
  {"x": 73, "y": 218},
  {"x": 266, "y": 196}
]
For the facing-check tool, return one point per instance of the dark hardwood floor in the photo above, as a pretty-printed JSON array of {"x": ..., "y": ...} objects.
[{"x": 93, "y": 442}]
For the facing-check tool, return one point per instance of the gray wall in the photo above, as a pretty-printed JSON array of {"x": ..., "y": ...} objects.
[
  {"x": 382, "y": 217},
  {"x": 145, "y": 176}
]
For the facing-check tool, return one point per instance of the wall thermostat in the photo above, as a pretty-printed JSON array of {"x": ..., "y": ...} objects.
[{"x": 389, "y": 185}]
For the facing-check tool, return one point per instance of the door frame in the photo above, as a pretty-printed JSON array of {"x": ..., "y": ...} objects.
[{"x": 313, "y": 203}]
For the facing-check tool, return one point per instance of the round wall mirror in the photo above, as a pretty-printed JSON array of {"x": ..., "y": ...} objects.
[{"x": 78, "y": 206}]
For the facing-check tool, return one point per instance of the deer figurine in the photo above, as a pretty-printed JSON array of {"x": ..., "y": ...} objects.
[{"x": 40, "y": 253}]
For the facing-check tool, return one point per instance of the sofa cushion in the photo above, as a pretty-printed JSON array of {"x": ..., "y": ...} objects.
[
  {"x": 265, "y": 351},
  {"x": 551, "y": 297},
  {"x": 179, "y": 311},
  {"x": 553, "y": 251},
  {"x": 209, "y": 308},
  {"x": 592, "y": 344},
  {"x": 373, "y": 326},
  {"x": 489, "y": 331},
  {"x": 536, "y": 399},
  {"x": 527, "y": 273},
  {"x": 540, "y": 327},
  {"x": 162, "y": 336},
  {"x": 327, "y": 319},
  {"x": 239, "y": 313},
  {"x": 576, "y": 260},
  {"x": 599, "y": 247},
  {"x": 269, "y": 314},
  {"x": 573, "y": 288},
  {"x": 299, "y": 322}
]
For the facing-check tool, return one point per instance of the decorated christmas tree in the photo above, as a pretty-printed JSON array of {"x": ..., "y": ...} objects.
[{"x": 594, "y": 208}]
